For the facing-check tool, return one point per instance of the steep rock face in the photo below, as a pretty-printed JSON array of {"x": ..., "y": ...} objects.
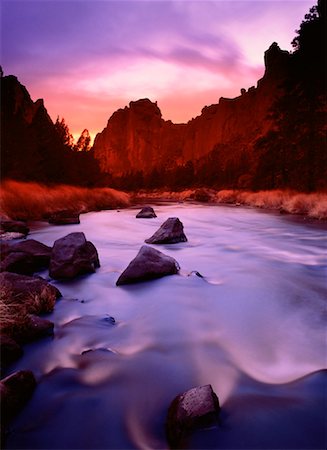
[
  {"x": 30, "y": 147},
  {"x": 137, "y": 138}
]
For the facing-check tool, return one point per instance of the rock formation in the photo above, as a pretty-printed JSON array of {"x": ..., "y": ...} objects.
[
  {"x": 170, "y": 232},
  {"x": 148, "y": 264},
  {"x": 195, "y": 408},
  {"x": 73, "y": 255}
]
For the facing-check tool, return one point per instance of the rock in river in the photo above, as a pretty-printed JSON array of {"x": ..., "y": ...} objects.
[
  {"x": 146, "y": 212},
  {"x": 170, "y": 232},
  {"x": 26, "y": 257},
  {"x": 73, "y": 255},
  {"x": 148, "y": 264},
  {"x": 195, "y": 408}
]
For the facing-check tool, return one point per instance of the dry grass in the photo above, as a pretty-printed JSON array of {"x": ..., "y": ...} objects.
[
  {"x": 312, "y": 205},
  {"x": 19, "y": 200},
  {"x": 16, "y": 307},
  {"x": 13, "y": 314}
]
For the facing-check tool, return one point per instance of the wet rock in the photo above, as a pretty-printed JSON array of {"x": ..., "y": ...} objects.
[
  {"x": 35, "y": 327},
  {"x": 14, "y": 226},
  {"x": 10, "y": 350},
  {"x": 148, "y": 264},
  {"x": 196, "y": 408},
  {"x": 16, "y": 390},
  {"x": 35, "y": 293},
  {"x": 73, "y": 255},
  {"x": 11, "y": 235},
  {"x": 146, "y": 212},
  {"x": 65, "y": 217},
  {"x": 25, "y": 257},
  {"x": 170, "y": 232},
  {"x": 4, "y": 249}
]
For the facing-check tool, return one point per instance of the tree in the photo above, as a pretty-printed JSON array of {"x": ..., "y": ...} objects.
[
  {"x": 63, "y": 132},
  {"x": 83, "y": 142}
]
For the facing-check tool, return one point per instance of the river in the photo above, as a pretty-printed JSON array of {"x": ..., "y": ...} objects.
[{"x": 254, "y": 327}]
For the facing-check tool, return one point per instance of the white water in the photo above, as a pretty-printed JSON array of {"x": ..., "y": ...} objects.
[{"x": 253, "y": 327}]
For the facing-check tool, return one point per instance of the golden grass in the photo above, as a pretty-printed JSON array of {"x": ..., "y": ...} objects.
[
  {"x": 20, "y": 200},
  {"x": 16, "y": 307}
]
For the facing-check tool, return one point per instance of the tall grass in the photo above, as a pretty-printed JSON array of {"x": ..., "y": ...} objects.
[
  {"x": 312, "y": 205},
  {"x": 19, "y": 200}
]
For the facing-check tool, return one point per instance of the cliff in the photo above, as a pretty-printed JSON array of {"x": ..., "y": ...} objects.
[
  {"x": 31, "y": 147},
  {"x": 136, "y": 138}
]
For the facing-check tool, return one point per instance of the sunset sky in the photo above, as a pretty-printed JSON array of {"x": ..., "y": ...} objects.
[{"x": 89, "y": 58}]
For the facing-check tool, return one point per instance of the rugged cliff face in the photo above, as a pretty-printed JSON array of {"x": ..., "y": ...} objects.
[
  {"x": 31, "y": 148},
  {"x": 136, "y": 138}
]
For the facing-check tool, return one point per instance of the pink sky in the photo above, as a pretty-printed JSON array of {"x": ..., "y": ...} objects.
[{"x": 89, "y": 58}]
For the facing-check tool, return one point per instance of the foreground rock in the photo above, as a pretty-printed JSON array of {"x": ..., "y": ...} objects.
[
  {"x": 64, "y": 218},
  {"x": 148, "y": 264},
  {"x": 170, "y": 232},
  {"x": 10, "y": 350},
  {"x": 73, "y": 255},
  {"x": 16, "y": 390},
  {"x": 14, "y": 226},
  {"x": 26, "y": 257},
  {"x": 146, "y": 212},
  {"x": 34, "y": 328},
  {"x": 196, "y": 408},
  {"x": 37, "y": 295}
]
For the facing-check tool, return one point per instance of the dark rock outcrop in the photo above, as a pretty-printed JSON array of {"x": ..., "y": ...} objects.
[
  {"x": 26, "y": 257},
  {"x": 37, "y": 294},
  {"x": 15, "y": 226},
  {"x": 73, "y": 255},
  {"x": 10, "y": 350},
  {"x": 147, "y": 212},
  {"x": 35, "y": 327},
  {"x": 196, "y": 408},
  {"x": 16, "y": 390},
  {"x": 64, "y": 218},
  {"x": 148, "y": 264},
  {"x": 170, "y": 232}
]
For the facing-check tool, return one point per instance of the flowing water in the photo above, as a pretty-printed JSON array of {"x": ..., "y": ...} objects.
[{"x": 253, "y": 327}]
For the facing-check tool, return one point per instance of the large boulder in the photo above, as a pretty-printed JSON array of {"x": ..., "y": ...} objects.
[
  {"x": 195, "y": 408},
  {"x": 16, "y": 390},
  {"x": 170, "y": 232},
  {"x": 26, "y": 257},
  {"x": 73, "y": 255},
  {"x": 14, "y": 226},
  {"x": 148, "y": 264},
  {"x": 65, "y": 217},
  {"x": 147, "y": 212},
  {"x": 37, "y": 295}
]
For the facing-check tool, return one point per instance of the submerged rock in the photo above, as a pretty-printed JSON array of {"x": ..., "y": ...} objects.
[
  {"x": 16, "y": 390},
  {"x": 170, "y": 232},
  {"x": 148, "y": 264},
  {"x": 147, "y": 212},
  {"x": 65, "y": 217},
  {"x": 195, "y": 408},
  {"x": 73, "y": 255}
]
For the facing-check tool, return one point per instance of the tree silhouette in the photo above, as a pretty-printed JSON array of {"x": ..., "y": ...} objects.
[
  {"x": 83, "y": 142},
  {"x": 63, "y": 132}
]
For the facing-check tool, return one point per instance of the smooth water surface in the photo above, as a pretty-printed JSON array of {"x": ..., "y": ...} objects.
[{"x": 254, "y": 327}]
